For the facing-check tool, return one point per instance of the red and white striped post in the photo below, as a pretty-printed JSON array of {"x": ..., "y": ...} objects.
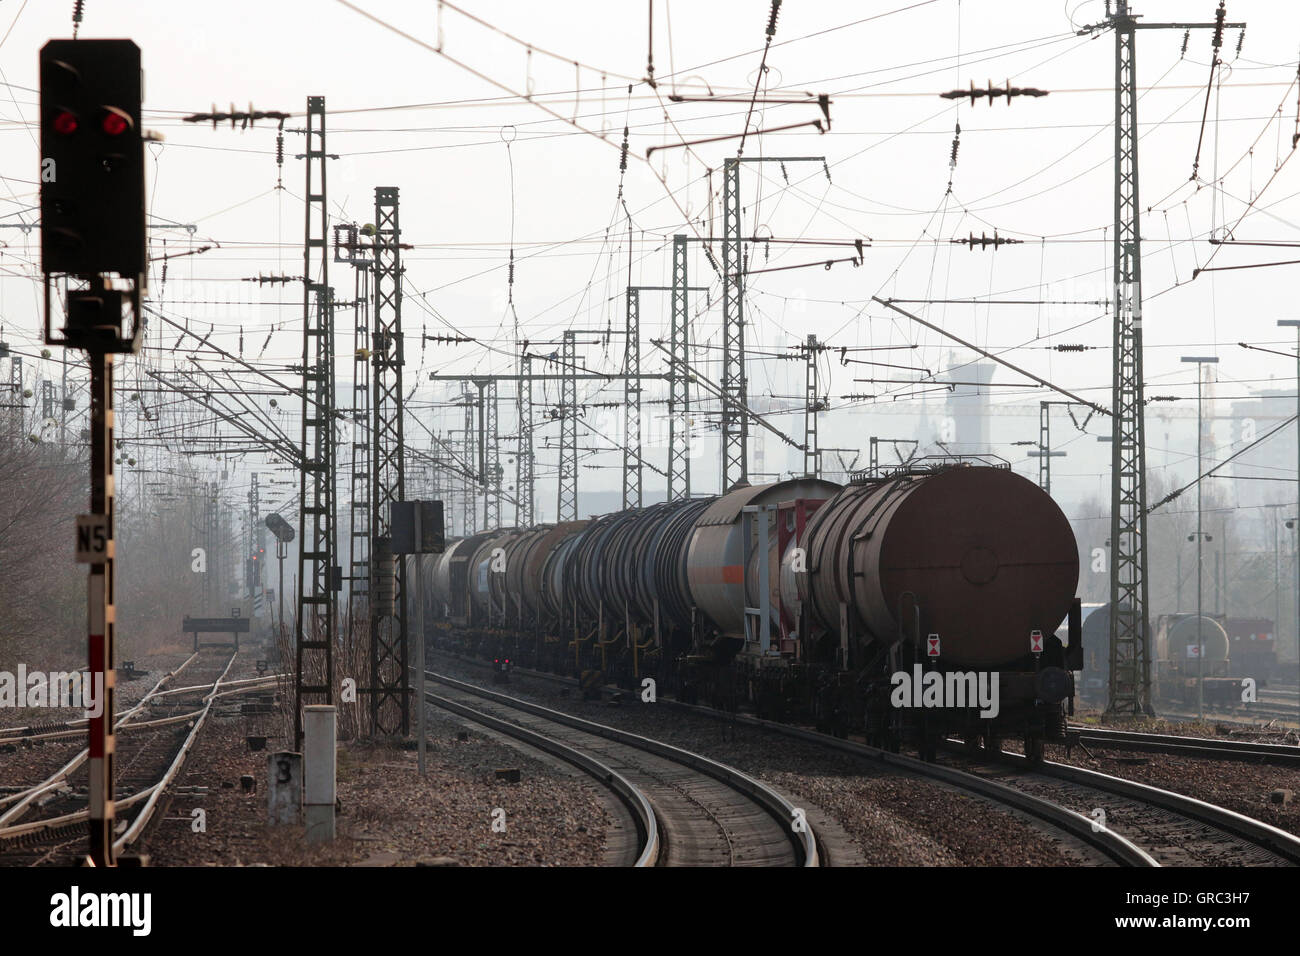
[{"x": 101, "y": 617}]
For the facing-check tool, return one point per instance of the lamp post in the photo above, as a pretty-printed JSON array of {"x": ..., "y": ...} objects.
[
  {"x": 1295, "y": 324},
  {"x": 1277, "y": 570},
  {"x": 1178, "y": 581},
  {"x": 1293, "y": 524},
  {"x": 281, "y": 551},
  {"x": 1199, "y": 535}
]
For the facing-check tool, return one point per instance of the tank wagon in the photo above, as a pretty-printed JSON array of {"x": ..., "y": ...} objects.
[
  {"x": 1182, "y": 665},
  {"x": 1177, "y": 667},
  {"x": 909, "y": 606}
]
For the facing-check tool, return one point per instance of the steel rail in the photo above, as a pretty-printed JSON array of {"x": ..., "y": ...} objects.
[
  {"x": 631, "y": 795},
  {"x": 777, "y": 806},
  {"x": 60, "y": 776},
  {"x": 1253, "y": 831},
  {"x": 1113, "y": 845},
  {"x": 1176, "y": 745},
  {"x": 142, "y": 818}
]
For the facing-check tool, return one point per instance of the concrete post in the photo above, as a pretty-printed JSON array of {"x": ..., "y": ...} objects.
[{"x": 319, "y": 778}]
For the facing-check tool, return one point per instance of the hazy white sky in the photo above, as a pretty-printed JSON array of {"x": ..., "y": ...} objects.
[{"x": 1039, "y": 170}]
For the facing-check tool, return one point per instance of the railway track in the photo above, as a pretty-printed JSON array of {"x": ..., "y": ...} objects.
[
  {"x": 45, "y": 823},
  {"x": 1175, "y": 830},
  {"x": 1057, "y": 818},
  {"x": 1251, "y": 752},
  {"x": 1150, "y": 826},
  {"x": 1142, "y": 825},
  {"x": 1252, "y": 718},
  {"x": 71, "y": 729},
  {"x": 692, "y": 811}
]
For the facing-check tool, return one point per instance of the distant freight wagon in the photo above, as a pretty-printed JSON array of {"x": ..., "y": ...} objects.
[{"x": 1233, "y": 648}]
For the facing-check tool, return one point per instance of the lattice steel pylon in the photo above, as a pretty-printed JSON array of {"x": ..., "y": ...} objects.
[
  {"x": 256, "y": 534},
  {"x": 469, "y": 499},
  {"x": 489, "y": 454},
  {"x": 1045, "y": 446},
  {"x": 390, "y": 706},
  {"x": 49, "y": 401},
  {"x": 18, "y": 417},
  {"x": 735, "y": 384},
  {"x": 316, "y": 561},
  {"x": 348, "y": 249},
  {"x": 567, "y": 506},
  {"x": 209, "y": 542},
  {"x": 525, "y": 463},
  {"x": 812, "y": 406},
  {"x": 632, "y": 472},
  {"x": 679, "y": 395},
  {"x": 1130, "y": 653},
  {"x": 1130, "y": 656},
  {"x": 314, "y": 671},
  {"x": 735, "y": 425}
]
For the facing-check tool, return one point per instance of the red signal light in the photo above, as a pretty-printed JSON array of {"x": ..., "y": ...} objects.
[
  {"x": 114, "y": 123},
  {"x": 65, "y": 123}
]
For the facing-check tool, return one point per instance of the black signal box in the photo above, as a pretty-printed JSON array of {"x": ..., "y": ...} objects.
[
  {"x": 92, "y": 159},
  {"x": 417, "y": 527}
]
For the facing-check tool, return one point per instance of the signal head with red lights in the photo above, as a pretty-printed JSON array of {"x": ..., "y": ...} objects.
[
  {"x": 65, "y": 122},
  {"x": 115, "y": 121},
  {"x": 92, "y": 159}
]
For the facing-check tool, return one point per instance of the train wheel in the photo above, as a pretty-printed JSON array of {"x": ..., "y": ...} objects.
[{"x": 1034, "y": 748}]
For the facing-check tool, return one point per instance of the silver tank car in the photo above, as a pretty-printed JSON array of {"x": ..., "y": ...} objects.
[
  {"x": 1178, "y": 642},
  {"x": 720, "y": 584}
]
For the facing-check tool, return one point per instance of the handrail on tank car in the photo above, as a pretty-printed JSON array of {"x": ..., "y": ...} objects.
[{"x": 928, "y": 465}]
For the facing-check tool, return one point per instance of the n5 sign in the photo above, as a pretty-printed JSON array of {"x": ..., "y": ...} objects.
[{"x": 92, "y": 539}]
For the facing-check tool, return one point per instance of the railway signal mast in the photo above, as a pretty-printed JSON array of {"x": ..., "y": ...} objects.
[
  {"x": 1130, "y": 653},
  {"x": 93, "y": 238}
]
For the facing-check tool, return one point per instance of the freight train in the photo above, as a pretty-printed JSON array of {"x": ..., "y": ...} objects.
[
  {"x": 1253, "y": 648},
  {"x": 1233, "y": 648},
  {"x": 906, "y": 607}
]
